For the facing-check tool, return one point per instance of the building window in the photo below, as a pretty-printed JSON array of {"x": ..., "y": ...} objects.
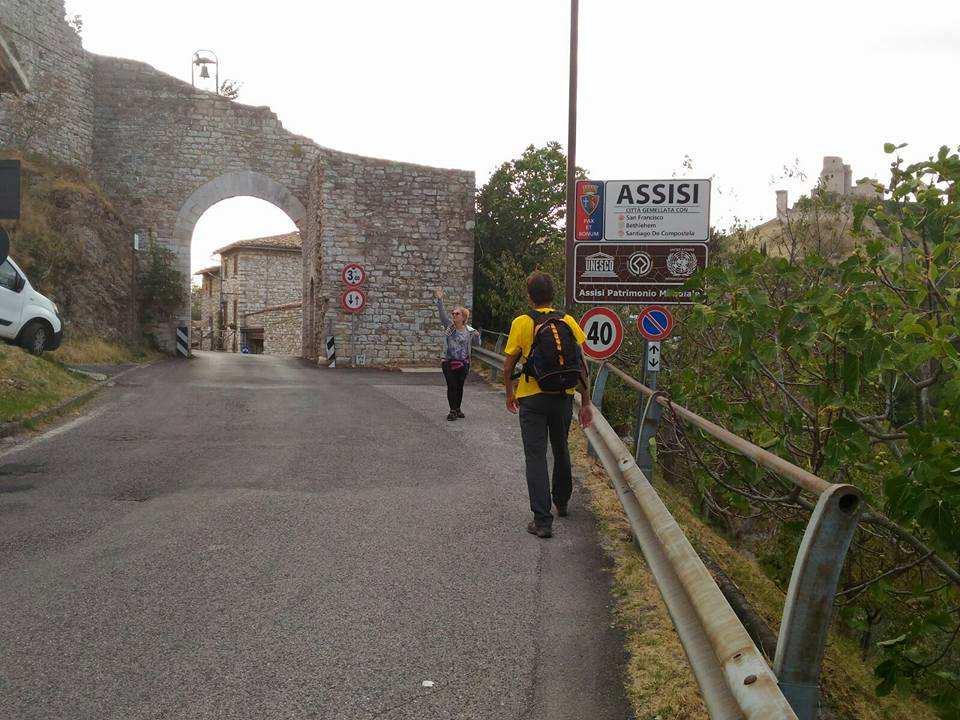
[
  {"x": 234, "y": 312},
  {"x": 235, "y": 259}
]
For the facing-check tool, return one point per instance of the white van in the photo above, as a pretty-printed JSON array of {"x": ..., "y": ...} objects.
[{"x": 27, "y": 318}]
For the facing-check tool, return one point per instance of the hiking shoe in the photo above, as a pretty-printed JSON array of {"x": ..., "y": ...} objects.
[
  {"x": 460, "y": 413},
  {"x": 562, "y": 509},
  {"x": 539, "y": 530},
  {"x": 451, "y": 415}
]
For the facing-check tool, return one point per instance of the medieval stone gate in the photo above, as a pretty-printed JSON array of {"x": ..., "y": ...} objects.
[{"x": 165, "y": 152}]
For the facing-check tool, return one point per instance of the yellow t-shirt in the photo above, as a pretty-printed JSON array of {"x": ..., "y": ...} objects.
[{"x": 521, "y": 339}]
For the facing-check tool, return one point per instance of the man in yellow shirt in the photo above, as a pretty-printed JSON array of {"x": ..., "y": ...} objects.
[{"x": 544, "y": 414}]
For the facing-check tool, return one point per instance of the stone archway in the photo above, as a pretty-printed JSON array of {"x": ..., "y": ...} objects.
[
  {"x": 246, "y": 183},
  {"x": 231, "y": 185}
]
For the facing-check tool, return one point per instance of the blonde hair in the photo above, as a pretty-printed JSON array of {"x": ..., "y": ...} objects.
[{"x": 464, "y": 311}]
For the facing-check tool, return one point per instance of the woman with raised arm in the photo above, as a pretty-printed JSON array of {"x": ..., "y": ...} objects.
[{"x": 456, "y": 357}]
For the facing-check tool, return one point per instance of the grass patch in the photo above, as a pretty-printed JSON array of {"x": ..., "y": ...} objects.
[
  {"x": 29, "y": 384},
  {"x": 94, "y": 350},
  {"x": 659, "y": 682}
]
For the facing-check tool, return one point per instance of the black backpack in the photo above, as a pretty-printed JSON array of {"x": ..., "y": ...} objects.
[{"x": 555, "y": 361}]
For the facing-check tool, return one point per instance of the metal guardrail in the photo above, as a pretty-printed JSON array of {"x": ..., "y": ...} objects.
[{"x": 733, "y": 676}]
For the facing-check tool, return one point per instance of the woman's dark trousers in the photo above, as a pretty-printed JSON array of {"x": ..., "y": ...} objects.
[{"x": 455, "y": 380}]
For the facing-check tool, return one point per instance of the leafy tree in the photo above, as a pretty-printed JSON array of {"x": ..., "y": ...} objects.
[
  {"x": 844, "y": 357},
  {"x": 521, "y": 214},
  {"x": 161, "y": 287}
]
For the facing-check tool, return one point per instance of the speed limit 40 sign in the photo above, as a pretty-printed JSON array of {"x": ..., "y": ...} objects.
[{"x": 604, "y": 333}]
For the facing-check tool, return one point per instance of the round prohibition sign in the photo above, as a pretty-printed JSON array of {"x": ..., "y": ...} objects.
[
  {"x": 353, "y": 300},
  {"x": 655, "y": 322},
  {"x": 353, "y": 275},
  {"x": 604, "y": 333}
]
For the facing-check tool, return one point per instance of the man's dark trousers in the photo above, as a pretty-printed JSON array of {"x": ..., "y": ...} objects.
[{"x": 541, "y": 416}]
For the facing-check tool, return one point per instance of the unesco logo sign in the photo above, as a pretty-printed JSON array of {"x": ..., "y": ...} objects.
[{"x": 640, "y": 264}]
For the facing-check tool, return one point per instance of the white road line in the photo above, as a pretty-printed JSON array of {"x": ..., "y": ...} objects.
[{"x": 50, "y": 434}]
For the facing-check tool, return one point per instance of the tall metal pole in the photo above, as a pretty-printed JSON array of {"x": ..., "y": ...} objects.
[{"x": 571, "y": 155}]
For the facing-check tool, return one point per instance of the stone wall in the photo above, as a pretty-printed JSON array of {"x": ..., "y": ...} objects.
[
  {"x": 281, "y": 327},
  {"x": 56, "y": 119},
  {"x": 166, "y": 152},
  {"x": 411, "y": 227},
  {"x": 210, "y": 311},
  {"x": 266, "y": 278}
]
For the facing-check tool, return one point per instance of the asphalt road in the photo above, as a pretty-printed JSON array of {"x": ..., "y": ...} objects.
[{"x": 251, "y": 537}]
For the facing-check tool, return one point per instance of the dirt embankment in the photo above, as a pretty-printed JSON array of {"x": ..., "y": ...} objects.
[{"x": 77, "y": 250}]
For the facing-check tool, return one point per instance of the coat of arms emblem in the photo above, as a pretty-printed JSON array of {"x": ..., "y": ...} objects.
[{"x": 589, "y": 198}]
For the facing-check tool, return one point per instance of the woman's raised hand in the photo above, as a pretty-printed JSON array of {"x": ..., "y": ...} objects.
[{"x": 438, "y": 293}]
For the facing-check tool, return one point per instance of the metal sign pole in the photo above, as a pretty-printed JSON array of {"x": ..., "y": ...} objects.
[
  {"x": 571, "y": 156},
  {"x": 648, "y": 411}
]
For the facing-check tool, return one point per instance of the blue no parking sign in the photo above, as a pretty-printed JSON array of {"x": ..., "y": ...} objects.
[{"x": 655, "y": 322}]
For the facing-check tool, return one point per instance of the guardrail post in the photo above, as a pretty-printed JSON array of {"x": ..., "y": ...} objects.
[
  {"x": 809, "y": 605},
  {"x": 495, "y": 373},
  {"x": 596, "y": 397},
  {"x": 648, "y": 419}
]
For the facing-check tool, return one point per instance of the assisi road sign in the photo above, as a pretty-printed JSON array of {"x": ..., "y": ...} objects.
[
  {"x": 656, "y": 210},
  {"x": 653, "y": 356},
  {"x": 353, "y": 300},
  {"x": 353, "y": 275},
  {"x": 655, "y": 322},
  {"x": 604, "y": 333},
  {"x": 645, "y": 244}
]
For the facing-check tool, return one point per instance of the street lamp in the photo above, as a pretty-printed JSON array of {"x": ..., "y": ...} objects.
[{"x": 203, "y": 59}]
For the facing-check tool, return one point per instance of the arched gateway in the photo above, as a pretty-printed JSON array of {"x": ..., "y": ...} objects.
[
  {"x": 164, "y": 152},
  {"x": 169, "y": 152}
]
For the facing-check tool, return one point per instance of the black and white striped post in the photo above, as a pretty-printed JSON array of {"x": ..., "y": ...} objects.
[
  {"x": 331, "y": 352},
  {"x": 183, "y": 341}
]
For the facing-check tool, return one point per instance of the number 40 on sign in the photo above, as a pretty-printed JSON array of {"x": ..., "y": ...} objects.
[{"x": 604, "y": 333}]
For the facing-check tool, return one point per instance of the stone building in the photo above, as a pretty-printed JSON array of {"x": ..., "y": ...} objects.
[
  {"x": 257, "y": 274},
  {"x": 211, "y": 310},
  {"x": 164, "y": 152},
  {"x": 824, "y": 226},
  {"x": 253, "y": 297},
  {"x": 274, "y": 330},
  {"x": 836, "y": 179}
]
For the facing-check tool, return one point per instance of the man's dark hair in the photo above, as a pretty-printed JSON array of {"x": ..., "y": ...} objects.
[{"x": 540, "y": 287}]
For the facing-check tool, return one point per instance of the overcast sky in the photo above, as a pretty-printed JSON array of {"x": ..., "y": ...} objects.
[{"x": 742, "y": 88}]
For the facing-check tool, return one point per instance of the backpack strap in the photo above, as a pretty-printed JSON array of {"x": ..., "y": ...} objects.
[{"x": 539, "y": 317}]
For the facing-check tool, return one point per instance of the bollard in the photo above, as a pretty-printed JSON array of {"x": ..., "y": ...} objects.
[{"x": 183, "y": 341}]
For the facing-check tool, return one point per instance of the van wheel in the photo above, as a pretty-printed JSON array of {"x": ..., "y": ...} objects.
[{"x": 35, "y": 338}]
